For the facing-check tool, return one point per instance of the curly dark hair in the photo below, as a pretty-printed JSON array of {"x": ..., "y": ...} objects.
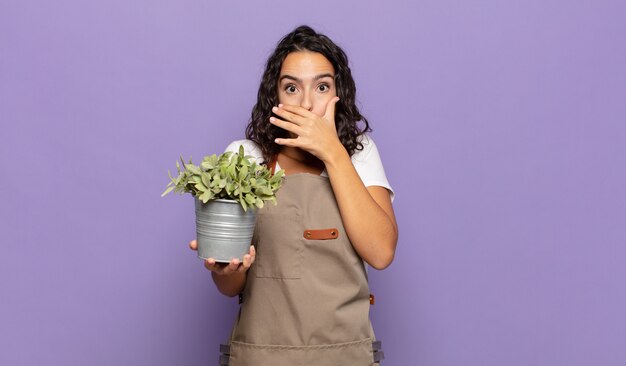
[{"x": 347, "y": 115}]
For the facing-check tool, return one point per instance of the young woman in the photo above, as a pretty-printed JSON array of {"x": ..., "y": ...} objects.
[{"x": 303, "y": 286}]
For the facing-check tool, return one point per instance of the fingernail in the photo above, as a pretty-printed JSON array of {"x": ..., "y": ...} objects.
[
  {"x": 274, "y": 109},
  {"x": 280, "y": 105}
]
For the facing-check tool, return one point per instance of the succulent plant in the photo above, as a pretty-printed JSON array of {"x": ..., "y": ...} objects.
[{"x": 228, "y": 176}]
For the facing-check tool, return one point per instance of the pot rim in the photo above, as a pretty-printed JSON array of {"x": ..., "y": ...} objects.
[{"x": 225, "y": 200}]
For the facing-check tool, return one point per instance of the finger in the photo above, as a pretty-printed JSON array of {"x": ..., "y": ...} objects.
[
  {"x": 193, "y": 245},
  {"x": 297, "y": 110},
  {"x": 287, "y": 142},
  {"x": 246, "y": 263},
  {"x": 330, "y": 109},
  {"x": 252, "y": 255},
  {"x": 232, "y": 266},
  {"x": 248, "y": 259},
  {"x": 287, "y": 126},
  {"x": 287, "y": 115},
  {"x": 210, "y": 265}
]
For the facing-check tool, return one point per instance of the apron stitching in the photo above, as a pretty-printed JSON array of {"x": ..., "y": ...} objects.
[{"x": 316, "y": 346}]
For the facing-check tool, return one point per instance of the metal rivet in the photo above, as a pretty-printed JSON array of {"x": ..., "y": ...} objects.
[
  {"x": 333, "y": 233},
  {"x": 308, "y": 234}
]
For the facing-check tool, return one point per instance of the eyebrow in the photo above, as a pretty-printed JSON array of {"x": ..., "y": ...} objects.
[{"x": 320, "y": 76}]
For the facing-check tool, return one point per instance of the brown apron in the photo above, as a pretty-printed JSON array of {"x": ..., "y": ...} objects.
[{"x": 306, "y": 299}]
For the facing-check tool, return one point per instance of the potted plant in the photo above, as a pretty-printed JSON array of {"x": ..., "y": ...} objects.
[{"x": 227, "y": 190}]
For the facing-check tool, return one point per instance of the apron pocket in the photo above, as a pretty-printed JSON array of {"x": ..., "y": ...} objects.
[{"x": 280, "y": 246}]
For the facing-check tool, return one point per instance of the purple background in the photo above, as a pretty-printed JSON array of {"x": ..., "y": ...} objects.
[{"x": 501, "y": 126}]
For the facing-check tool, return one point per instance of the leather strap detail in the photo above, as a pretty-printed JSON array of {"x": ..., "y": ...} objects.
[
  {"x": 225, "y": 354},
  {"x": 378, "y": 355},
  {"x": 377, "y": 345},
  {"x": 372, "y": 299},
  {"x": 225, "y": 360},
  {"x": 272, "y": 165},
  {"x": 378, "y": 352},
  {"x": 323, "y": 234}
]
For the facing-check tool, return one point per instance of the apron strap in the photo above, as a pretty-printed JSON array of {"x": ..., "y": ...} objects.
[
  {"x": 224, "y": 360},
  {"x": 378, "y": 352},
  {"x": 377, "y": 345},
  {"x": 272, "y": 165},
  {"x": 225, "y": 354},
  {"x": 378, "y": 355}
]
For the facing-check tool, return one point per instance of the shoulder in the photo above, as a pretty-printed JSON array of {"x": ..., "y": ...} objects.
[
  {"x": 369, "y": 148},
  {"x": 249, "y": 148},
  {"x": 368, "y": 156},
  {"x": 369, "y": 165}
]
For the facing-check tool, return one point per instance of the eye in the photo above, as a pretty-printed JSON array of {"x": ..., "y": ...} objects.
[
  {"x": 290, "y": 89},
  {"x": 323, "y": 88}
]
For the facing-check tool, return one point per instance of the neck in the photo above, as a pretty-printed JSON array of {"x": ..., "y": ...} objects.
[
  {"x": 299, "y": 155},
  {"x": 295, "y": 159}
]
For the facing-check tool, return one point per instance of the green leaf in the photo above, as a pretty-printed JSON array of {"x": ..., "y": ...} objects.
[
  {"x": 206, "y": 196},
  {"x": 209, "y": 162},
  {"x": 250, "y": 199},
  {"x": 200, "y": 187},
  {"x": 258, "y": 203},
  {"x": 243, "y": 172},
  {"x": 206, "y": 179},
  {"x": 193, "y": 169},
  {"x": 168, "y": 191},
  {"x": 231, "y": 170}
]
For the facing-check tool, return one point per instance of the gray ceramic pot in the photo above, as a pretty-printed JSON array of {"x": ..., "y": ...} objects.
[{"x": 224, "y": 230}]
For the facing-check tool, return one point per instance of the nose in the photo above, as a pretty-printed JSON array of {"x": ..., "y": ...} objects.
[{"x": 306, "y": 101}]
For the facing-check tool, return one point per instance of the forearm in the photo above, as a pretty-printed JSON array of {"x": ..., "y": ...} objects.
[
  {"x": 230, "y": 284},
  {"x": 372, "y": 231}
]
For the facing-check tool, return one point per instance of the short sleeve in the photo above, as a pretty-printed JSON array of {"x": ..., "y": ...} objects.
[{"x": 369, "y": 166}]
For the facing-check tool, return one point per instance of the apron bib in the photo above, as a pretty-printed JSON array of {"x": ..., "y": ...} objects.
[{"x": 306, "y": 299}]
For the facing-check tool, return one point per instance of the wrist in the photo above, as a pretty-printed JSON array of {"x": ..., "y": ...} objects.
[{"x": 337, "y": 157}]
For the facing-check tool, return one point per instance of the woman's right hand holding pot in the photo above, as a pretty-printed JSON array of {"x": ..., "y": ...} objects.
[
  {"x": 230, "y": 278},
  {"x": 234, "y": 266}
]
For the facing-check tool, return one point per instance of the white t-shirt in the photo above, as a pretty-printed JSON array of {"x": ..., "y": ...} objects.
[{"x": 366, "y": 162}]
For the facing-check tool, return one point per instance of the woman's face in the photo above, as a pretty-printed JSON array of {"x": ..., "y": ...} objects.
[{"x": 307, "y": 79}]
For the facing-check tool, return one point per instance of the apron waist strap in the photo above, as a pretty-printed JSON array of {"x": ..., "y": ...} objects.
[
  {"x": 225, "y": 354},
  {"x": 378, "y": 352},
  {"x": 224, "y": 360}
]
